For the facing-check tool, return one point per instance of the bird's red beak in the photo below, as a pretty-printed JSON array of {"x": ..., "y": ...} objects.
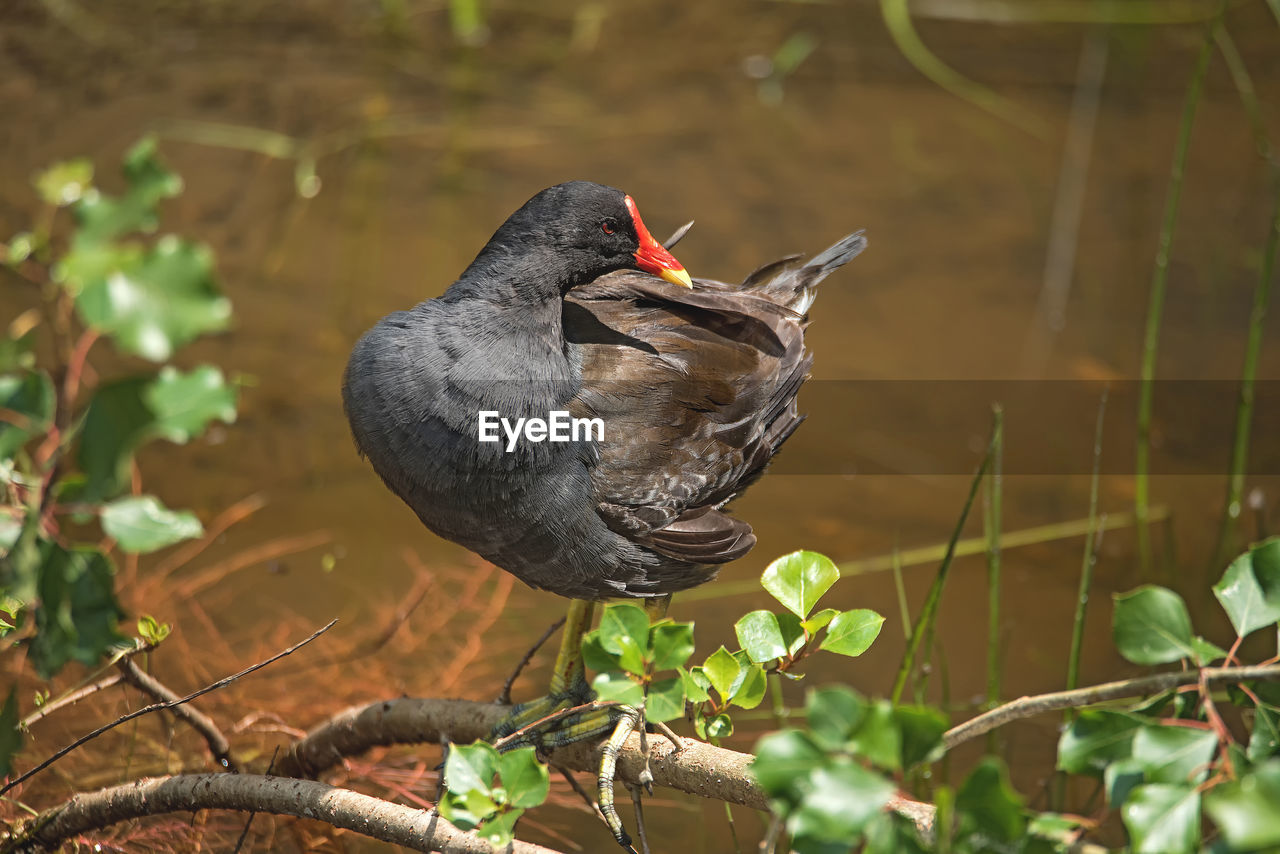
[{"x": 652, "y": 256}]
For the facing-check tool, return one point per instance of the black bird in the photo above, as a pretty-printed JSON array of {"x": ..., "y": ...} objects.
[{"x": 572, "y": 306}]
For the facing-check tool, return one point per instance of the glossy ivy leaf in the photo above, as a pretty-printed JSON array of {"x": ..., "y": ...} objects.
[
  {"x": 1151, "y": 626},
  {"x": 618, "y": 687},
  {"x": 1174, "y": 754},
  {"x": 792, "y": 629},
  {"x": 65, "y": 183},
  {"x": 799, "y": 579},
  {"x": 722, "y": 669},
  {"x": 10, "y": 733},
  {"x": 1266, "y": 568},
  {"x": 671, "y": 645},
  {"x": 1162, "y": 819},
  {"x": 28, "y": 399},
  {"x": 141, "y": 524},
  {"x": 842, "y": 797},
  {"x": 988, "y": 806},
  {"x": 834, "y": 713},
  {"x": 471, "y": 767},
  {"x": 760, "y": 636},
  {"x": 1242, "y": 596},
  {"x": 624, "y": 632},
  {"x": 852, "y": 632},
  {"x": 1206, "y": 652},
  {"x": 154, "y": 301},
  {"x": 879, "y": 738},
  {"x": 186, "y": 403},
  {"x": 784, "y": 760},
  {"x": 749, "y": 688},
  {"x": 665, "y": 700},
  {"x": 921, "y": 728},
  {"x": 1120, "y": 778},
  {"x": 1095, "y": 739},
  {"x": 1264, "y": 742},
  {"x": 77, "y": 615},
  {"x": 524, "y": 778},
  {"x": 1247, "y": 810},
  {"x": 696, "y": 684}
]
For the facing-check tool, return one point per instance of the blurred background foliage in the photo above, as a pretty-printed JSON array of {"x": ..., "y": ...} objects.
[{"x": 1030, "y": 174}]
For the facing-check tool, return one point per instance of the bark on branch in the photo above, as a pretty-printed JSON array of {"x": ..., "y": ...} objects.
[{"x": 418, "y": 830}]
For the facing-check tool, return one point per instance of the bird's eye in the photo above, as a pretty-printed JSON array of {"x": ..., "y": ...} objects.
[{"x": 607, "y": 226}]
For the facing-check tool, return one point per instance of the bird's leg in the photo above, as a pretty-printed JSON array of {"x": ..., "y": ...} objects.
[{"x": 568, "y": 679}]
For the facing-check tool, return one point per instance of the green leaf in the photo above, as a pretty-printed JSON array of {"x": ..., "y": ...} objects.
[
  {"x": 842, "y": 798},
  {"x": 499, "y": 831},
  {"x": 1247, "y": 811},
  {"x": 749, "y": 688},
  {"x": 759, "y": 635},
  {"x": 793, "y": 636},
  {"x": 65, "y": 183},
  {"x": 1151, "y": 626},
  {"x": 720, "y": 726},
  {"x": 783, "y": 763},
  {"x": 1264, "y": 741},
  {"x": 524, "y": 777},
  {"x": 799, "y": 579},
  {"x": 618, "y": 687},
  {"x": 819, "y": 620},
  {"x": 594, "y": 656},
  {"x": 1242, "y": 596},
  {"x": 102, "y": 218},
  {"x": 1120, "y": 778},
  {"x": 722, "y": 669},
  {"x": 468, "y": 809},
  {"x": 185, "y": 404},
  {"x": 988, "y": 805},
  {"x": 852, "y": 632},
  {"x": 151, "y": 631},
  {"x": 890, "y": 833},
  {"x": 672, "y": 644},
  {"x": 921, "y": 728},
  {"x": 78, "y": 612},
  {"x": 1265, "y": 559},
  {"x": 1206, "y": 652},
  {"x": 153, "y": 302},
  {"x": 624, "y": 631},
  {"x": 28, "y": 399},
  {"x": 1174, "y": 754},
  {"x": 10, "y": 734},
  {"x": 1061, "y": 829},
  {"x": 665, "y": 700},
  {"x": 879, "y": 738},
  {"x": 834, "y": 714},
  {"x": 141, "y": 524},
  {"x": 470, "y": 768},
  {"x": 1095, "y": 739},
  {"x": 1163, "y": 819},
  {"x": 696, "y": 684}
]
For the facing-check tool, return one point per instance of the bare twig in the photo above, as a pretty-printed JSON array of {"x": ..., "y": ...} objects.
[
  {"x": 1025, "y": 707},
  {"x": 155, "y": 707},
  {"x": 70, "y": 698},
  {"x": 504, "y": 696},
  {"x": 197, "y": 720},
  {"x": 418, "y": 830}
]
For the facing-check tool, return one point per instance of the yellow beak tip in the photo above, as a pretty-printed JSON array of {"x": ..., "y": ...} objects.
[{"x": 678, "y": 277}]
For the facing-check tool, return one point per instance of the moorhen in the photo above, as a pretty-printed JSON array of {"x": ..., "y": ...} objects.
[{"x": 573, "y": 316}]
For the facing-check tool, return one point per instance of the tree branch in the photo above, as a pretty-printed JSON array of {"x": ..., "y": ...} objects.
[
  {"x": 418, "y": 830},
  {"x": 1025, "y": 707},
  {"x": 197, "y": 720}
]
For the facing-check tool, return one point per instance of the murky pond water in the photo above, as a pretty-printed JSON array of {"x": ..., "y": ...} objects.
[{"x": 423, "y": 147}]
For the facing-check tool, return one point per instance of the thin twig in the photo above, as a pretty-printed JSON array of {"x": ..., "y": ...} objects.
[
  {"x": 636, "y": 798},
  {"x": 504, "y": 696},
  {"x": 1025, "y": 707},
  {"x": 155, "y": 707},
  {"x": 197, "y": 720},
  {"x": 68, "y": 699}
]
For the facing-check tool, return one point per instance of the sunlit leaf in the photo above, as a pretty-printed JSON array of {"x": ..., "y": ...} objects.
[
  {"x": 499, "y": 830},
  {"x": 1163, "y": 819},
  {"x": 1174, "y": 754},
  {"x": 1120, "y": 778},
  {"x": 759, "y": 635},
  {"x": 1151, "y": 626},
  {"x": 852, "y": 632},
  {"x": 799, "y": 579},
  {"x": 720, "y": 726},
  {"x": 624, "y": 631},
  {"x": 819, "y": 620},
  {"x": 141, "y": 524},
  {"x": 696, "y": 684},
  {"x": 665, "y": 700},
  {"x": 618, "y": 687},
  {"x": 470, "y": 767},
  {"x": 524, "y": 777},
  {"x": 723, "y": 670},
  {"x": 66, "y": 182},
  {"x": 1242, "y": 596},
  {"x": 750, "y": 686},
  {"x": 102, "y": 217},
  {"x": 842, "y": 798},
  {"x": 671, "y": 644}
]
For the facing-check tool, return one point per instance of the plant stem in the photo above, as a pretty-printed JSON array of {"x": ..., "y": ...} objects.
[
  {"x": 1159, "y": 283},
  {"x": 1092, "y": 537},
  {"x": 991, "y": 523}
]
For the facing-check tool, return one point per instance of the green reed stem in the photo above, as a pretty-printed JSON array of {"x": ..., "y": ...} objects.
[
  {"x": 904, "y": 609},
  {"x": 1159, "y": 282},
  {"x": 929, "y": 614},
  {"x": 991, "y": 527},
  {"x": 1091, "y": 540}
]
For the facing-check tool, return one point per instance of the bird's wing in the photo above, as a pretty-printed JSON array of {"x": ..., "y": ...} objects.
[{"x": 696, "y": 390}]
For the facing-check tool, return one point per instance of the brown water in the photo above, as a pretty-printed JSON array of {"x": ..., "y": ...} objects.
[{"x": 426, "y": 146}]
